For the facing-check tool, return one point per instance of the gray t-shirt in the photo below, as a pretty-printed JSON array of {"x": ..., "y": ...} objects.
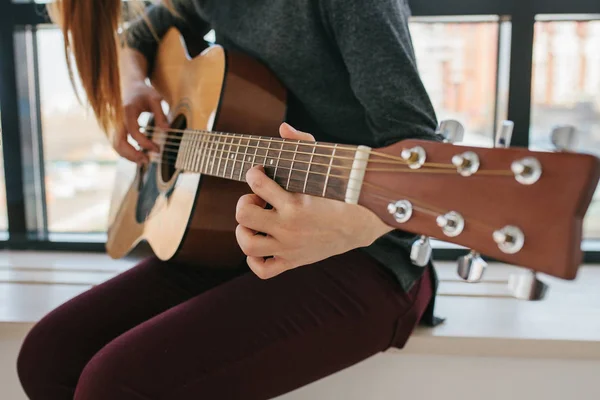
[{"x": 349, "y": 67}]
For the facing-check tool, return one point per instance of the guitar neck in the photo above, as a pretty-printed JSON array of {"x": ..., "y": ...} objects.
[{"x": 320, "y": 169}]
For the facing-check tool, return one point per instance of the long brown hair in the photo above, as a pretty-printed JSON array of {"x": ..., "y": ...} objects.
[{"x": 91, "y": 35}]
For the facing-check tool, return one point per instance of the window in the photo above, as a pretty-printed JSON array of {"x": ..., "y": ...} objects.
[
  {"x": 566, "y": 90},
  {"x": 466, "y": 52},
  {"x": 3, "y": 214},
  {"x": 79, "y": 161},
  {"x": 458, "y": 64}
]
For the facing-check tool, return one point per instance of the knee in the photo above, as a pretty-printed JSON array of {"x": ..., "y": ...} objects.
[
  {"x": 38, "y": 363},
  {"x": 107, "y": 376}
]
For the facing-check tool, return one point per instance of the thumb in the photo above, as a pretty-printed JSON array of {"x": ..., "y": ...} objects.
[
  {"x": 288, "y": 132},
  {"x": 160, "y": 120}
]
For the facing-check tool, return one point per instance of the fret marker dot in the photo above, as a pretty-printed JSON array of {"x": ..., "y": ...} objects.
[
  {"x": 271, "y": 162},
  {"x": 232, "y": 156},
  {"x": 249, "y": 158}
]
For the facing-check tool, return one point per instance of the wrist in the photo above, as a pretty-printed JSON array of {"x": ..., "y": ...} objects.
[{"x": 134, "y": 67}]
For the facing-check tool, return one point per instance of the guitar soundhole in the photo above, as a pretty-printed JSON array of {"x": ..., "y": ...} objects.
[{"x": 172, "y": 144}]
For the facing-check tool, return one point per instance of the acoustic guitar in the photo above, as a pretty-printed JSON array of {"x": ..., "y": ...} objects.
[{"x": 515, "y": 205}]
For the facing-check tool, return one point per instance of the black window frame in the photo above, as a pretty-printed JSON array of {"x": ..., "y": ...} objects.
[{"x": 13, "y": 16}]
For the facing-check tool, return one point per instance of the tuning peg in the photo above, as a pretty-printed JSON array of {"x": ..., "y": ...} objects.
[
  {"x": 504, "y": 134},
  {"x": 451, "y": 130},
  {"x": 420, "y": 252},
  {"x": 471, "y": 267},
  {"x": 527, "y": 286},
  {"x": 564, "y": 137}
]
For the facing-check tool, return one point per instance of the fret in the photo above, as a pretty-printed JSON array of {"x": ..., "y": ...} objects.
[
  {"x": 277, "y": 164},
  {"x": 309, "y": 165},
  {"x": 179, "y": 163},
  {"x": 270, "y": 155},
  {"x": 181, "y": 154},
  {"x": 221, "y": 157},
  {"x": 285, "y": 163},
  {"x": 229, "y": 156},
  {"x": 287, "y": 185},
  {"x": 189, "y": 151},
  {"x": 237, "y": 150},
  {"x": 342, "y": 167},
  {"x": 209, "y": 157},
  {"x": 317, "y": 169},
  {"x": 213, "y": 148},
  {"x": 300, "y": 178},
  {"x": 199, "y": 149},
  {"x": 250, "y": 157},
  {"x": 260, "y": 159},
  {"x": 329, "y": 170},
  {"x": 267, "y": 154},
  {"x": 204, "y": 158},
  {"x": 198, "y": 141},
  {"x": 243, "y": 159},
  {"x": 213, "y": 156},
  {"x": 255, "y": 152}
]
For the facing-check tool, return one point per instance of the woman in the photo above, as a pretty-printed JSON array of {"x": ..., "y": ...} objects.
[{"x": 340, "y": 287}]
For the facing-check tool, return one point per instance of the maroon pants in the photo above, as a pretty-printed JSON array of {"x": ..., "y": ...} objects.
[{"x": 168, "y": 331}]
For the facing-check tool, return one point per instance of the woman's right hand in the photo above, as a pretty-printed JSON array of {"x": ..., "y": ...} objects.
[{"x": 138, "y": 97}]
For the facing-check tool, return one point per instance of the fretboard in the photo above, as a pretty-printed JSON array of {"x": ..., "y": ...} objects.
[{"x": 319, "y": 169}]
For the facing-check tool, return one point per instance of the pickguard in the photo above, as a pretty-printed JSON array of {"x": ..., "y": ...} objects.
[{"x": 149, "y": 193}]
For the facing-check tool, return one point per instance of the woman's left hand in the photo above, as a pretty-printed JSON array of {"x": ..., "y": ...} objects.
[{"x": 300, "y": 229}]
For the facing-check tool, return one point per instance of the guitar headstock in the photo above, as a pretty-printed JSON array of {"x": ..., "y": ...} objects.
[{"x": 515, "y": 205}]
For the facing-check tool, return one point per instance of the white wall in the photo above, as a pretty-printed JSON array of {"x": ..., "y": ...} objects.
[{"x": 11, "y": 336}]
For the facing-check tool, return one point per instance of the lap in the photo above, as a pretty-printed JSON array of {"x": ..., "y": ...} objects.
[
  {"x": 269, "y": 337},
  {"x": 61, "y": 344}
]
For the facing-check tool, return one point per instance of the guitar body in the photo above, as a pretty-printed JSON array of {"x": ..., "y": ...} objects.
[{"x": 184, "y": 216}]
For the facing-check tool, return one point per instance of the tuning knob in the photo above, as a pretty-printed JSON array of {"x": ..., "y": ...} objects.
[
  {"x": 504, "y": 134},
  {"x": 420, "y": 252},
  {"x": 527, "y": 286},
  {"x": 471, "y": 267},
  {"x": 452, "y": 223},
  {"x": 451, "y": 130},
  {"x": 564, "y": 137},
  {"x": 414, "y": 157}
]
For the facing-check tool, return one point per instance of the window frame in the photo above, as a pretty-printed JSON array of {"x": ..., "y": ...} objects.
[{"x": 13, "y": 16}]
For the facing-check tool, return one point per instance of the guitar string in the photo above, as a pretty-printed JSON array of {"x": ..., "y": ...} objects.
[
  {"x": 451, "y": 169},
  {"x": 212, "y": 155},
  {"x": 178, "y": 141},
  {"x": 235, "y": 170},
  {"x": 417, "y": 204},
  {"x": 265, "y": 138},
  {"x": 175, "y": 145},
  {"x": 309, "y": 144}
]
